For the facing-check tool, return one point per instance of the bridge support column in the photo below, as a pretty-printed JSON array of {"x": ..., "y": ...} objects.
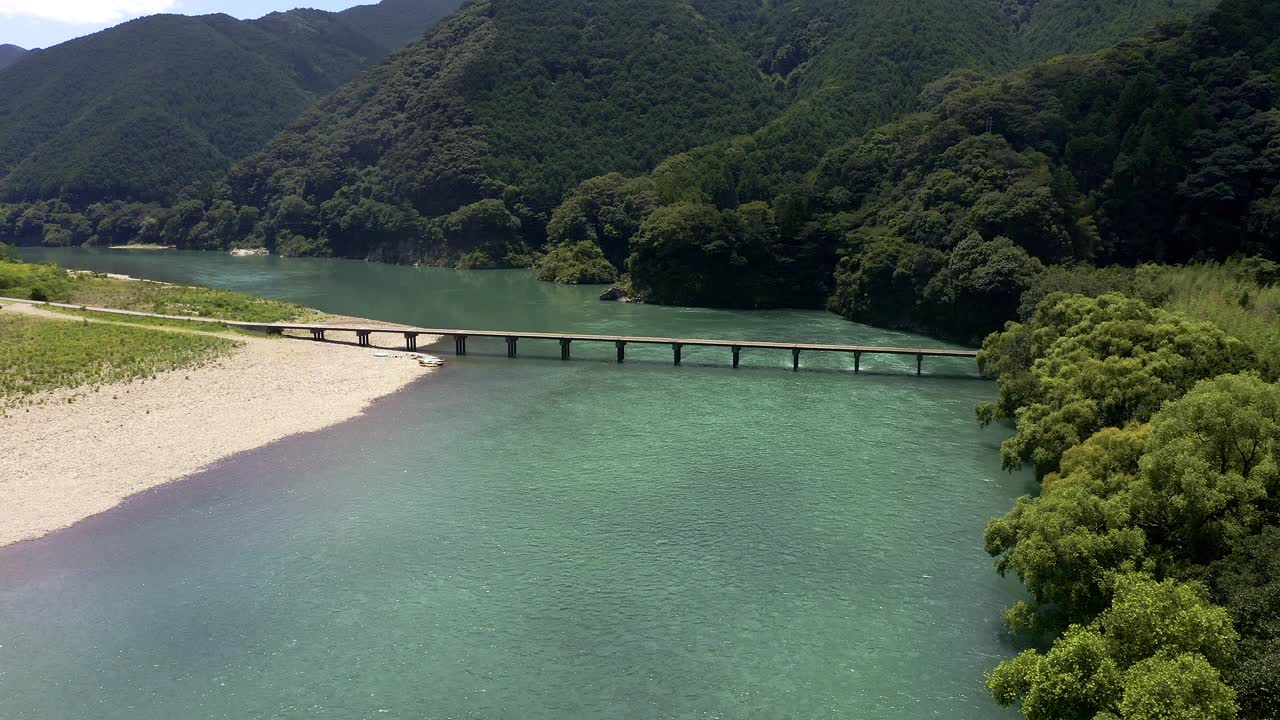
[
  {"x": 622, "y": 349},
  {"x": 459, "y": 345},
  {"x": 675, "y": 348},
  {"x": 511, "y": 347},
  {"x": 737, "y": 356},
  {"x": 919, "y": 363},
  {"x": 795, "y": 359},
  {"x": 411, "y": 341},
  {"x": 362, "y": 337},
  {"x": 564, "y": 348},
  {"x": 857, "y": 361},
  {"x": 317, "y": 334}
]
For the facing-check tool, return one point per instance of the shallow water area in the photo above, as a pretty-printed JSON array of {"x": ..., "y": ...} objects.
[{"x": 535, "y": 538}]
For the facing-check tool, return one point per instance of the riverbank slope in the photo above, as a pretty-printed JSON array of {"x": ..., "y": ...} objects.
[{"x": 69, "y": 454}]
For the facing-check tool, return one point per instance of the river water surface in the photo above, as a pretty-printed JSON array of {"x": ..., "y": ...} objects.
[{"x": 538, "y": 539}]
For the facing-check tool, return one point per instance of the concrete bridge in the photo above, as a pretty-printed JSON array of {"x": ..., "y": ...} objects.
[
  {"x": 566, "y": 340},
  {"x": 620, "y": 342}
]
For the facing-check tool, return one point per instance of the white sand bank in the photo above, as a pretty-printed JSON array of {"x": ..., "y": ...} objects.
[{"x": 62, "y": 462}]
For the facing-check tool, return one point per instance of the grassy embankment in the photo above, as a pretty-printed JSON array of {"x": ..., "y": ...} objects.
[
  {"x": 41, "y": 354},
  {"x": 1238, "y": 298},
  {"x": 1242, "y": 297}
]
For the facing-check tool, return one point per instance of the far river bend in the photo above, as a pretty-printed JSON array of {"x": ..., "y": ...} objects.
[{"x": 534, "y": 539}]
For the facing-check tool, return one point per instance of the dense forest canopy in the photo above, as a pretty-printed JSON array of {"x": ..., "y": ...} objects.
[
  {"x": 458, "y": 149},
  {"x": 1163, "y": 149},
  {"x": 156, "y": 105}
]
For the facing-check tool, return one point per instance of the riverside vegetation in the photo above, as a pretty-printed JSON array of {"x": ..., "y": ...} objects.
[{"x": 42, "y": 354}]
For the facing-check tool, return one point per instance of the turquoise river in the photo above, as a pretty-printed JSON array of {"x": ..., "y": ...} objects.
[{"x": 539, "y": 539}]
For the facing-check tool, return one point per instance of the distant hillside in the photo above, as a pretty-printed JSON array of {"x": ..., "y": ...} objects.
[
  {"x": 10, "y": 54},
  {"x": 1163, "y": 148},
  {"x": 147, "y": 108},
  {"x": 492, "y": 117},
  {"x": 513, "y": 102},
  {"x": 396, "y": 23}
]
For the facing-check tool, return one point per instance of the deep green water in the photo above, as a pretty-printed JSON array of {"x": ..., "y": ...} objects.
[{"x": 539, "y": 539}]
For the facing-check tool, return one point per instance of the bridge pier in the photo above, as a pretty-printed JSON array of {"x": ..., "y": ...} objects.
[
  {"x": 737, "y": 356},
  {"x": 795, "y": 359},
  {"x": 564, "y": 348},
  {"x": 857, "y": 361},
  {"x": 511, "y": 347},
  {"x": 362, "y": 337},
  {"x": 676, "y": 348},
  {"x": 919, "y": 363},
  {"x": 459, "y": 345},
  {"x": 411, "y": 341},
  {"x": 317, "y": 334},
  {"x": 622, "y": 349}
]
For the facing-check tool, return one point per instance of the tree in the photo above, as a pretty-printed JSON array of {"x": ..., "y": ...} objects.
[
  {"x": 576, "y": 263},
  {"x": 1247, "y": 584},
  {"x": 1068, "y": 543},
  {"x": 485, "y": 231},
  {"x": 1212, "y": 470},
  {"x": 607, "y": 211},
  {"x": 1100, "y": 362},
  {"x": 882, "y": 280},
  {"x": 1156, "y": 653},
  {"x": 690, "y": 253},
  {"x": 981, "y": 285}
]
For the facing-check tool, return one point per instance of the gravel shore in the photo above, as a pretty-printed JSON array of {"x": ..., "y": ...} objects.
[{"x": 61, "y": 462}]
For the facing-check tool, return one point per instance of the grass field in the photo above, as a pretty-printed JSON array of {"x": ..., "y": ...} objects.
[
  {"x": 39, "y": 354},
  {"x": 180, "y": 300},
  {"x": 1228, "y": 296},
  {"x": 50, "y": 282},
  {"x": 194, "y": 325}
]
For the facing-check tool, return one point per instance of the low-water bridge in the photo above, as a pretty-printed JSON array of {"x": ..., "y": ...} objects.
[
  {"x": 620, "y": 342},
  {"x": 566, "y": 340}
]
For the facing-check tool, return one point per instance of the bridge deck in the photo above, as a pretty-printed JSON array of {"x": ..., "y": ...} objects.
[
  {"x": 629, "y": 339},
  {"x": 460, "y": 337}
]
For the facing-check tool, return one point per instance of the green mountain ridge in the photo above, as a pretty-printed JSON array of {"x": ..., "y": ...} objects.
[
  {"x": 149, "y": 107},
  {"x": 10, "y": 54},
  {"x": 743, "y": 95}
]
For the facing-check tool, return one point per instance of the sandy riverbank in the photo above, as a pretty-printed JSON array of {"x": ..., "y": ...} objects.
[{"x": 62, "y": 462}]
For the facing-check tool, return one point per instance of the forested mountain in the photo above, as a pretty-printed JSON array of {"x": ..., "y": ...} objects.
[
  {"x": 1165, "y": 148},
  {"x": 486, "y": 122},
  {"x": 10, "y": 54},
  {"x": 481, "y": 129},
  {"x": 1052, "y": 27},
  {"x": 142, "y": 110}
]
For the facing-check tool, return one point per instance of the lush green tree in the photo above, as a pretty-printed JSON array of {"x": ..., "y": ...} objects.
[
  {"x": 606, "y": 211},
  {"x": 1247, "y": 584},
  {"x": 1067, "y": 543},
  {"x": 485, "y": 232},
  {"x": 981, "y": 285},
  {"x": 1095, "y": 363},
  {"x": 883, "y": 278},
  {"x": 1212, "y": 470},
  {"x": 1157, "y": 652},
  {"x": 576, "y": 263},
  {"x": 690, "y": 254}
]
